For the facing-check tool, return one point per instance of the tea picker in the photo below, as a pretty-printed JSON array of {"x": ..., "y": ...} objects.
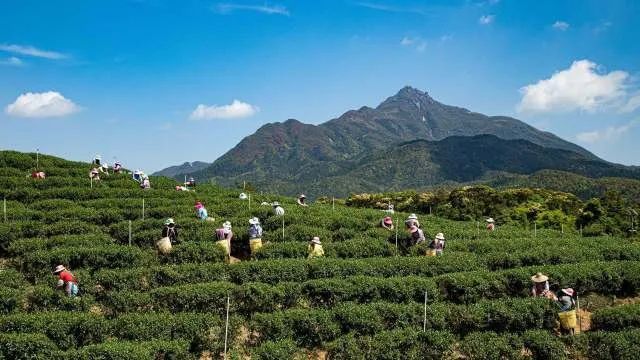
[
  {"x": 224, "y": 235},
  {"x": 315, "y": 248},
  {"x": 565, "y": 300},
  {"x": 255, "y": 235},
  {"x": 302, "y": 200},
  {"x": 66, "y": 281},
  {"x": 277, "y": 209},
  {"x": 387, "y": 223},
  {"x": 491, "y": 224}
]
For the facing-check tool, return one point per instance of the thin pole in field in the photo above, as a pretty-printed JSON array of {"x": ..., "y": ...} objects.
[
  {"x": 535, "y": 229},
  {"x": 129, "y": 232},
  {"x": 562, "y": 228},
  {"x": 91, "y": 179},
  {"x": 249, "y": 197},
  {"x": 142, "y": 208},
  {"x": 396, "y": 236},
  {"x": 578, "y": 312},
  {"x": 333, "y": 205},
  {"x": 185, "y": 179},
  {"x": 424, "y": 322},
  {"x": 4, "y": 208},
  {"x": 226, "y": 328}
]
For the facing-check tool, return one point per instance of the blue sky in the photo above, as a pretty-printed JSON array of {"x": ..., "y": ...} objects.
[{"x": 155, "y": 83}]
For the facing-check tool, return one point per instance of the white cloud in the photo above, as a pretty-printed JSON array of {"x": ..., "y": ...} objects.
[
  {"x": 418, "y": 43},
  {"x": 609, "y": 134},
  {"x": 392, "y": 9},
  {"x": 237, "y": 109},
  {"x": 632, "y": 104},
  {"x": 602, "y": 27},
  {"x": 226, "y": 8},
  {"x": 12, "y": 61},
  {"x": 446, "y": 37},
  {"x": 580, "y": 87},
  {"x": 39, "y": 105},
  {"x": 560, "y": 25},
  {"x": 486, "y": 19},
  {"x": 32, "y": 51}
]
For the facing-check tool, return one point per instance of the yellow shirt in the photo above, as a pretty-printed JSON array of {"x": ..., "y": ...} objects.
[{"x": 315, "y": 251}]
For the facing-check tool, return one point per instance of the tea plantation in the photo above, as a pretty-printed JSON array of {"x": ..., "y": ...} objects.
[{"x": 363, "y": 300}]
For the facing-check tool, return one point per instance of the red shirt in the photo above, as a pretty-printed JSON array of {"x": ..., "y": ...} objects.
[{"x": 66, "y": 276}]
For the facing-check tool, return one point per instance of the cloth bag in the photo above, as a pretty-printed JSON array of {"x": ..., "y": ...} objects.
[{"x": 164, "y": 245}]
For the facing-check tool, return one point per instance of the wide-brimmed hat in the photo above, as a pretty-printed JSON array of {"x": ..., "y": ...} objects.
[
  {"x": 226, "y": 224},
  {"x": 275, "y": 203},
  {"x": 169, "y": 221},
  {"x": 413, "y": 217},
  {"x": 413, "y": 229},
  {"x": 316, "y": 240},
  {"x": 490, "y": 220},
  {"x": 59, "y": 268},
  {"x": 243, "y": 196},
  {"x": 568, "y": 291},
  {"x": 302, "y": 196},
  {"x": 254, "y": 221},
  {"x": 198, "y": 205},
  {"x": 388, "y": 220},
  {"x": 539, "y": 277},
  {"x": 440, "y": 236}
]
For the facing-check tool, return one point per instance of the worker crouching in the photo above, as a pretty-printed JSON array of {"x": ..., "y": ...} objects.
[{"x": 66, "y": 281}]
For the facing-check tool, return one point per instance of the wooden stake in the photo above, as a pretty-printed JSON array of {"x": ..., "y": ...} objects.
[
  {"x": 535, "y": 229},
  {"x": 396, "y": 236},
  {"x": 333, "y": 204},
  {"x": 226, "y": 328},
  {"x": 424, "y": 322},
  {"x": 578, "y": 312},
  {"x": 562, "y": 228},
  {"x": 249, "y": 197},
  {"x": 129, "y": 232}
]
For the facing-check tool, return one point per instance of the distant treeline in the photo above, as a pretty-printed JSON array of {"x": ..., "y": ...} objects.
[{"x": 609, "y": 214}]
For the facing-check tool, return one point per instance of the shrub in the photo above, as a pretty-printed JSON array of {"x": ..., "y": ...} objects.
[
  {"x": 27, "y": 347},
  {"x": 616, "y": 318},
  {"x": 490, "y": 346},
  {"x": 277, "y": 350},
  {"x": 617, "y": 345},
  {"x": 543, "y": 345}
]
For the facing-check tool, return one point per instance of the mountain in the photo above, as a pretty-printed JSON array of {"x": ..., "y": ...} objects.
[
  {"x": 180, "y": 170},
  {"x": 344, "y": 154}
]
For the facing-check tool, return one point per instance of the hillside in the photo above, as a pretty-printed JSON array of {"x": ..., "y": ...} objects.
[
  {"x": 292, "y": 156},
  {"x": 582, "y": 186},
  {"x": 181, "y": 170},
  {"x": 363, "y": 300}
]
